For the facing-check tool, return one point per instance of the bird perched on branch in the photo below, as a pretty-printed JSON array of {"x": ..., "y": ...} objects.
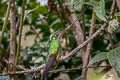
[
  {"x": 53, "y": 55},
  {"x": 54, "y": 51}
]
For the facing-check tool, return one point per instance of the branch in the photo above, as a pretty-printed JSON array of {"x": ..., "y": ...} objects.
[
  {"x": 111, "y": 40},
  {"x": 118, "y": 4},
  {"x": 78, "y": 68},
  {"x": 53, "y": 71},
  {"x": 12, "y": 39},
  {"x": 26, "y": 71},
  {"x": 5, "y": 22},
  {"x": 20, "y": 31}
]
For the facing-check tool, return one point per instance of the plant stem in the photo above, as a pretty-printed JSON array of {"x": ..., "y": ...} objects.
[
  {"x": 111, "y": 41},
  {"x": 5, "y": 22},
  {"x": 20, "y": 31}
]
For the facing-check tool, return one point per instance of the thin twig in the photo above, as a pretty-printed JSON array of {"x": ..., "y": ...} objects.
[
  {"x": 78, "y": 68},
  {"x": 53, "y": 71},
  {"x": 27, "y": 71},
  {"x": 20, "y": 31},
  {"x": 111, "y": 40},
  {"x": 5, "y": 22}
]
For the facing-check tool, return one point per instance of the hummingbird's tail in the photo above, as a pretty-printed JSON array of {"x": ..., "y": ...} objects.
[{"x": 48, "y": 65}]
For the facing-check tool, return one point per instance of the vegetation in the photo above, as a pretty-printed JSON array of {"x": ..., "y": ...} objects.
[{"x": 89, "y": 35}]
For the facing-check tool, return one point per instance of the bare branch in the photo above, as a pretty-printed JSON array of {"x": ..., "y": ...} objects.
[{"x": 12, "y": 38}]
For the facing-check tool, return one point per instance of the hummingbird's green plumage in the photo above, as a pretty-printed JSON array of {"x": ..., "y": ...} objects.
[
  {"x": 53, "y": 55},
  {"x": 54, "y": 47}
]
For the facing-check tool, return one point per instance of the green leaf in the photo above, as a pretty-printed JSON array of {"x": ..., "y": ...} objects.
[
  {"x": 117, "y": 14},
  {"x": 100, "y": 11},
  {"x": 78, "y": 5},
  {"x": 99, "y": 57},
  {"x": 90, "y": 3},
  {"x": 27, "y": 12},
  {"x": 55, "y": 22},
  {"x": 114, "y": 59}
]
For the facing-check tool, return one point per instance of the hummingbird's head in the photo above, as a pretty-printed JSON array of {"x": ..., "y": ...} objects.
[{"x": 54, "y": 36}]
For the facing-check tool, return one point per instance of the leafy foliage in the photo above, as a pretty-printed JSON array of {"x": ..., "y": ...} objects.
[
  {"x": 39, "y": 24},
  {"x": 114, "y": 59},
  {"x": 100, "y": 10},
  {"x": 99, "y": 57},
  {"x": 113, "y": 56}
]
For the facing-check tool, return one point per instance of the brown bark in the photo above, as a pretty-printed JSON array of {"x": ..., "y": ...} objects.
[
  {"x": 118, "y": 4},
  {"x": 12, "y": 39}
]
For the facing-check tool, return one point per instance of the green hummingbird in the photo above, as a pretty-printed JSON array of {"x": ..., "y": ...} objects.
[{"x": 53, "y": 55}]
